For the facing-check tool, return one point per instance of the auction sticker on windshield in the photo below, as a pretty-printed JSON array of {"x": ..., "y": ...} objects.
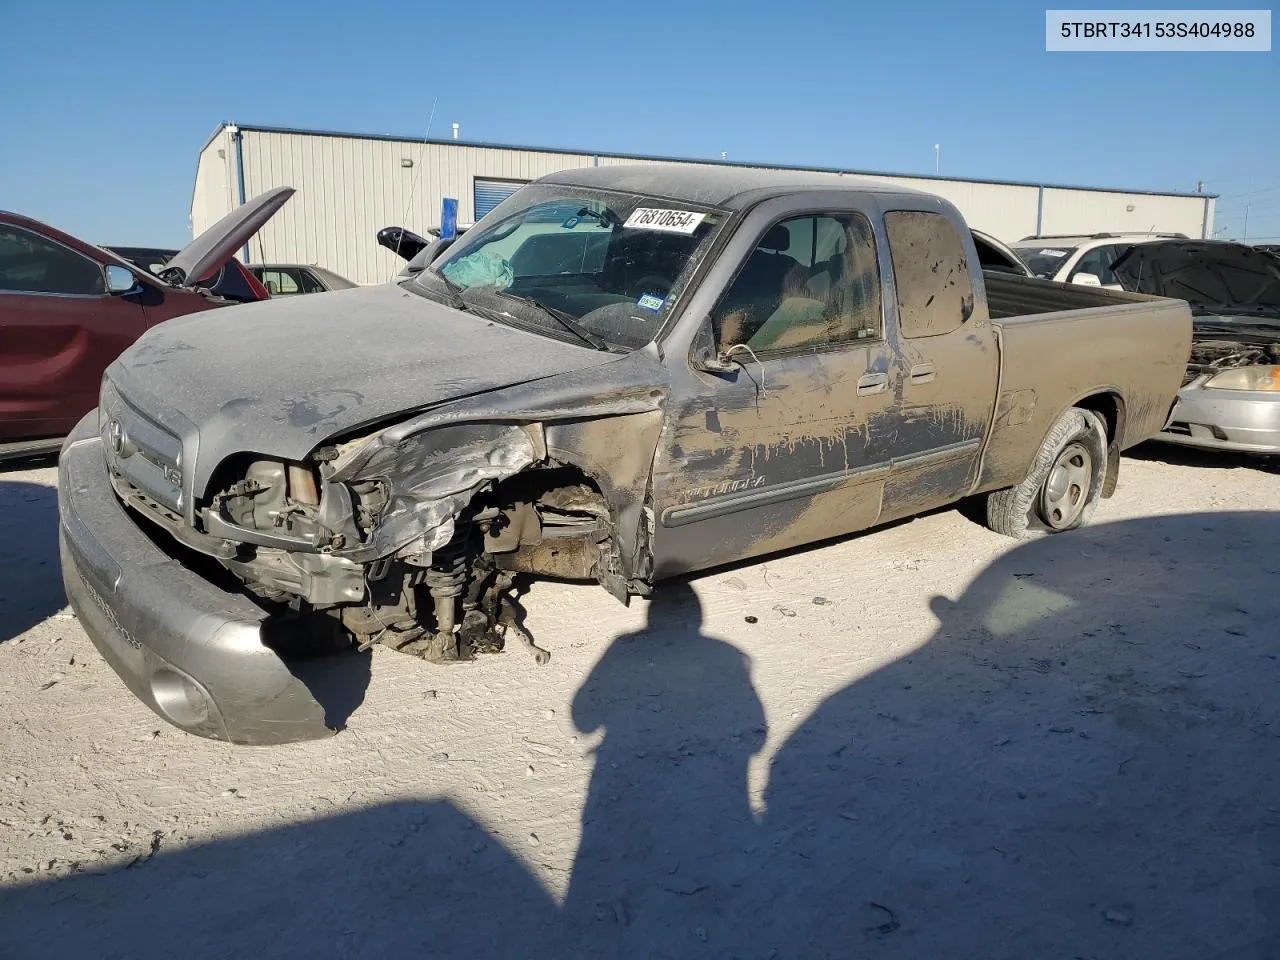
[{"x": 672, "y": 221}]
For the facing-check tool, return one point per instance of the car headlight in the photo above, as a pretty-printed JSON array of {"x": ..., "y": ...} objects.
[{"x": 1246, "y": 378}]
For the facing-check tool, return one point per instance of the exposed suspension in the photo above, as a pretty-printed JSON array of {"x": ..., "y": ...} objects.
[{"x": 446, "y": 579}]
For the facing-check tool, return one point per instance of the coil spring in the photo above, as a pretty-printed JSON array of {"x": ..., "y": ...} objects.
[{"x": 447, "y": 574}]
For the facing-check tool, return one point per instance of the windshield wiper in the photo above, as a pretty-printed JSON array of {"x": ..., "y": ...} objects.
[
  {"x": 562, "y": 318},
  {"x": 452, "y": 289}
]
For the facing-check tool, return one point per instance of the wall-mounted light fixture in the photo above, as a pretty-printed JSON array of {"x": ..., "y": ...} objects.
[{"x": 407, "y": 162}]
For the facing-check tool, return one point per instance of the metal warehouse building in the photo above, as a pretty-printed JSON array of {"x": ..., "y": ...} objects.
[{"x": 349, "y": 186}]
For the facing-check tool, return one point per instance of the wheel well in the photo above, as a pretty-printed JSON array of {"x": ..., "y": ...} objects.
[
  {"x": 553, "y": 521},
  {"x": 530, "y": 485},
  {"x": 1110, "y": 408}
]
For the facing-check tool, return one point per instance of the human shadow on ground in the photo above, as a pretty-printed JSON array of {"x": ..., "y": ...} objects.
[
  {"x": 32, "y": 580},
  {"x": 1082, "y": 761}
]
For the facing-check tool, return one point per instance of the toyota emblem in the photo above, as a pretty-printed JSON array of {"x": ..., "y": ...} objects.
[{"x": 115, "y": 437}]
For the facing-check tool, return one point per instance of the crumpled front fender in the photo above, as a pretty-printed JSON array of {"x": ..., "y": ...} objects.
[{"x": 604, "y": 420}]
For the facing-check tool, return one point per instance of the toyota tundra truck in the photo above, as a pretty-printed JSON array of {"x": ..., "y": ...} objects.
[{"x": 620, "y": 374}]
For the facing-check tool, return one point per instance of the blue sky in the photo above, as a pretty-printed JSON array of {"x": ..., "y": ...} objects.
[{"x": 104, "y": 113}]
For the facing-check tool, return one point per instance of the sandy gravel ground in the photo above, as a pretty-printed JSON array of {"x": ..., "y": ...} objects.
[{"x": 923, "y": 742}]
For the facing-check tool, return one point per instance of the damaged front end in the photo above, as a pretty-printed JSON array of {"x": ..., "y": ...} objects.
[
  {"x": 1214, "y": 353},
  {"x": 413, "y": 536},
  {"x": 1230, "y": 396}
]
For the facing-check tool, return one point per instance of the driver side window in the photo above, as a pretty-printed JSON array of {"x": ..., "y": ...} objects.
[
  {"x": 1098, "y": 262},
  {"x": 30, "y": 263},
  {"x": 810, "y": 281}
]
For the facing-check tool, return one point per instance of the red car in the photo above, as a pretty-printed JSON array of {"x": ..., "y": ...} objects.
[{"x": 68, "y": 308}]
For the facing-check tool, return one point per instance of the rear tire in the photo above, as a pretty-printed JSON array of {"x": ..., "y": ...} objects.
[{"x": 1064, "y": 485}]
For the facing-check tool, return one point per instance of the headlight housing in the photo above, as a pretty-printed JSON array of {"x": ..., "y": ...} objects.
[{"x": 1261, "y": 378}]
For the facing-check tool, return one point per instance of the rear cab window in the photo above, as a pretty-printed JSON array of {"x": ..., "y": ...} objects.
[
  {"x": 309, "y": 282},
  {"x": 931, "y": 273}
]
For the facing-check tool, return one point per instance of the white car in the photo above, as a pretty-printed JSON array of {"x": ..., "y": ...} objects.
[{"x": 1084, "y": 260}]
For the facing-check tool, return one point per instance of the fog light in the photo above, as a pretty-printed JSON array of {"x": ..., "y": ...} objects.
[{"x": 180, "y": 699}]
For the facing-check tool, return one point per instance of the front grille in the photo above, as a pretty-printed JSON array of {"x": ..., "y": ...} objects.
[{"x": 139, "y": 450}]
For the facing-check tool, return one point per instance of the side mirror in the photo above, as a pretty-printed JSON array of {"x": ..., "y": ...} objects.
[
  {"x": 120, "y": 281},
  {"x": 715, "y": 362},
  {"x": 1087, "y": 280},
  {"x": 704, "y": 355}
]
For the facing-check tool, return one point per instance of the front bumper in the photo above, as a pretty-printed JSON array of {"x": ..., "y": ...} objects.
[
  {"x": 1239, "y": 421},
  {"x": 191, "y": 651}
]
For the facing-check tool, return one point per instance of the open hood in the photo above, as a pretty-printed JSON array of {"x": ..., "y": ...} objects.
[
  {"x": 1215, "y": 277},
  {"x": 210, "y": 251},
  {"x": 403, "y": 243},
  {"x": 995, "y": 255},
  {"x": 279, "y": 377}
]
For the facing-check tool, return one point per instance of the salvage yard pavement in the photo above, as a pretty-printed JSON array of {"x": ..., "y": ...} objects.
[{"x": 924, "y": 741}]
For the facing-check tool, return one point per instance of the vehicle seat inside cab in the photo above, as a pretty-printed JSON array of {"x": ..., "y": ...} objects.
[
  {"x": 759, "y": 288},
  {"x": 795, "y": 304}
]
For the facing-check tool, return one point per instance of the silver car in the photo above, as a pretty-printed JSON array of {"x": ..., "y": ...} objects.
[{"x": 1230, "y": 399}]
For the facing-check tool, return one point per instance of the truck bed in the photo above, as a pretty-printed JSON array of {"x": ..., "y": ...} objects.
[
  {"x": 1061, "y": 344},
  {"x": 1009, "y": 295}
]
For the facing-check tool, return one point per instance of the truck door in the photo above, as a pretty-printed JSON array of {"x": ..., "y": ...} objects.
[
  {"x": 59, "y": 329},
  {"x": 779, "y": 448},
  {"x": 947, "y": 359}
]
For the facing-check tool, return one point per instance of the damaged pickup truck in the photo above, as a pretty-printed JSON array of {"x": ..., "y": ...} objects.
[{"x": 621, "y": 375}]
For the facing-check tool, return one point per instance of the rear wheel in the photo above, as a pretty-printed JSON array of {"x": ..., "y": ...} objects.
[{"x": 1064, "y": 485}]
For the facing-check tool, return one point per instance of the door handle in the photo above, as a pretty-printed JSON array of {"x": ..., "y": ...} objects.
[
  {"x": 922, "y": 373},
  {"x": 872, "y": 383}
]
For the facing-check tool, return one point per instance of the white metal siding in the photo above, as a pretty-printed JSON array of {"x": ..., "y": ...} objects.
[
  {"x": 215, "y": 192},
  {"x": 350, "y": 187},
  {"x": 1094, "y": 211},
  {"x": 1002, "y": 210}
]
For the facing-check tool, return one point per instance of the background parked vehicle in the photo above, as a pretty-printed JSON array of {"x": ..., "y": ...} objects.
[
  {"x": 1084, "y": 260},
  {"x": 292, "y": 279},
  {"x": 1230, "y": 399},
  {"x": 417, "y": 251},
  {"x": 403, "y": 243},
  {"x": 232, "y": 281},
  {"x": 996, "y": 255},
  {"x": 68, "y": 308}
]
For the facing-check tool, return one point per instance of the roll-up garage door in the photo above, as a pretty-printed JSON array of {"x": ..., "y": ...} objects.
[{"x": 490, "y": 193}]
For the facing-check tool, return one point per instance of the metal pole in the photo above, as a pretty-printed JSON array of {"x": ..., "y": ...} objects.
[
  {"x": 1245, "y": 238},
  {"x": 237, "y": 142},
  {"x": 937, "y": 157}
]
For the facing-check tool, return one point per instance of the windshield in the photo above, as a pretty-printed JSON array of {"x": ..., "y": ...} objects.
[
  {"x": 577, "y": 264},
  {"x": 1205, "y": 276},
  {"x": 1044, "y": 260}
]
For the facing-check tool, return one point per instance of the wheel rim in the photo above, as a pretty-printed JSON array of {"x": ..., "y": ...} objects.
[{"x": 1066, "y": 491}]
